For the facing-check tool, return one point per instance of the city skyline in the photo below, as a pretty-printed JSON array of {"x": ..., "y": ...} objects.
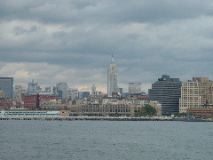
[
  {"x": 148, "y": 38},
  {"x": 106, "y": 79}
]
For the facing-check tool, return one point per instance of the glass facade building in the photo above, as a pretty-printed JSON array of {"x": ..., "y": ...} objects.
[
  {"x": 167, "y": 92},
  {"x": 6, "y": 85}
]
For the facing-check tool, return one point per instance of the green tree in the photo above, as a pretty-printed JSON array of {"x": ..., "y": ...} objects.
[{"x": 146, "y": 111}]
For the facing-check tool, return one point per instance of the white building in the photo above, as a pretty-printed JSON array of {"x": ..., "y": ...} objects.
[
  {"x": 134, "y": 88},
  {"x": 73, "y": 93},
  {"x": 93, "y": 90},
  {"x": 112, "y": 82},
  {"x": 190, "y": 97},
  {"x": 19, "y": 92}
]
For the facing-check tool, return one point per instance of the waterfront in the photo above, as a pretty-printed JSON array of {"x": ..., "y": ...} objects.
[{"x": 107, "y": 140}]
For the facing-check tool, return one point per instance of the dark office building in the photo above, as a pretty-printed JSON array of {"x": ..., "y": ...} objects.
[
  {"x": 83, "y": 94},
  {"x": 6, "y": 85},
  {"x": 167, "y": 91}
]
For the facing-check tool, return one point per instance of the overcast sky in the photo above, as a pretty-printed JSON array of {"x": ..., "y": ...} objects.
[{"x": 72, "y": 41}]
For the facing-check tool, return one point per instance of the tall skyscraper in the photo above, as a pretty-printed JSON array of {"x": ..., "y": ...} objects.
[
  {"x": 167, "y": 92},
  {"x": 6, "y": 85},
  {"x": 112, "y": 82}
]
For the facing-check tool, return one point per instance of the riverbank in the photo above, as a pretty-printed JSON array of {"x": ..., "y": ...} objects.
[{"x": 96, "y": 118}]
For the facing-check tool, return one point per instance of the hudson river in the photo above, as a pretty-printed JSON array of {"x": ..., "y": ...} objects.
[{"x": 105, "y": 140}]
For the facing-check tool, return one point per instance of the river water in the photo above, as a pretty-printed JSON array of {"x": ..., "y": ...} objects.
[{"x": 105, "y": 140}]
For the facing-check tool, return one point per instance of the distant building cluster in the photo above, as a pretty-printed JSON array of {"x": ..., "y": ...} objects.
[
  {"x": 168, "y": 96},
  {"x": 193, "y": 96}
]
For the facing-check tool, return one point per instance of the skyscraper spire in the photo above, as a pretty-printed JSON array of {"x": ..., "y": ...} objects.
[{"x": 112, "y": 61}]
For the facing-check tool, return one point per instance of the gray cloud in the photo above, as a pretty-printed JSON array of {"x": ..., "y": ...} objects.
[
  {"x": 95, "y": 11},
  {"x": 74, "y": 40}
]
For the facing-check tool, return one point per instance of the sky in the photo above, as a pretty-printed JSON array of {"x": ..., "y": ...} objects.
[{"x": 72, "y": 41}]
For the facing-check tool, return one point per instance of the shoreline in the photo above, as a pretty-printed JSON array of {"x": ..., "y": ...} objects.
[{"x": 85, "y": 118}]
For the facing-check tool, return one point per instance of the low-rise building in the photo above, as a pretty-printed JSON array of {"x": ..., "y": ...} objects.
[
  {"x": 109, "y": 106},
  {"x": 201, "y": 112},
  {"x": 34, "y": 102},
  {"x": 157, "y": 106},
  {"x": 5, "y": 103}
]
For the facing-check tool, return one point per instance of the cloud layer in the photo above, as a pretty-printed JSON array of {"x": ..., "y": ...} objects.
[{"x": 72, "y": 41}]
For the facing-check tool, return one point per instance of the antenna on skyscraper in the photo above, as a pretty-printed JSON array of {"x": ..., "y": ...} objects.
[{"x": 112, "y": 58}]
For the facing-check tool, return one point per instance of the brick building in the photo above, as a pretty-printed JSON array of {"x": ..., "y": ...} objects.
[
  {"x": 5, "y": 103},
  {"x": 33, "y": 102}
]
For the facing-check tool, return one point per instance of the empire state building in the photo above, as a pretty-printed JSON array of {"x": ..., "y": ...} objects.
[{"x": 112, "y": 82}]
